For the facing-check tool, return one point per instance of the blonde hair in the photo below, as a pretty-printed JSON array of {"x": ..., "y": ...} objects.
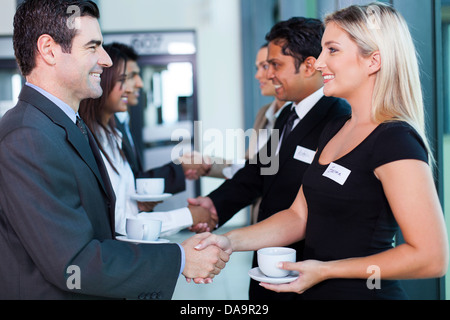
[{"x": 398, "y": 92}]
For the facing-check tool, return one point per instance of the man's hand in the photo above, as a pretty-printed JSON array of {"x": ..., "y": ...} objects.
[
  {"x": 204, "y": 220},
  {"x": 195, "y": 165},
  {"x": 147, "y": 206},
  {"x": 206, "y": 203},
  {"x": 203, "y": 265}
]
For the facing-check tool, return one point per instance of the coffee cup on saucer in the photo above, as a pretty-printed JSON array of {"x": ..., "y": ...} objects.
[
  {"x": 150, "y": 186},
  {"x": 269, "y": 258},
  {"x": 143, "y": 229}
]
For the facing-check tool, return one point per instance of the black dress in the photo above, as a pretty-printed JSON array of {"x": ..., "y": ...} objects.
[{"x": 348, "y": 213}]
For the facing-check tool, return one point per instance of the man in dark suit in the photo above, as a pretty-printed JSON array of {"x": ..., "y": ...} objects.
[
  {"x": 56, "y": 201},
  {"x": 294, "y": 46}
]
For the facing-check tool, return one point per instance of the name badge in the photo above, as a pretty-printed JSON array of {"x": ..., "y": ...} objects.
[
  {"x": 337, "y": 173},
  {"x": 304, "y": 155}
]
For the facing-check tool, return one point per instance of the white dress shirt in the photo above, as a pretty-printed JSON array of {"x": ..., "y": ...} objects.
[
  {"x": 61, "y": 104},
  {"x": 124, "y": 187},
  {"x": 264, "y": 135},
  {"x": 302, "y": 108}
]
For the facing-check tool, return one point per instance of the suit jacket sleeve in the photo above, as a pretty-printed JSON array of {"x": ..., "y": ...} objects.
[
  {"x": 52, "y": 216},
  {"x": 237, "y": 193},
  {"x": 247, "y": 185}
]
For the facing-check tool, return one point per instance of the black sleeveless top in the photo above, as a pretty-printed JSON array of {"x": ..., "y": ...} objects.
[{"x": 348, "y": 213}]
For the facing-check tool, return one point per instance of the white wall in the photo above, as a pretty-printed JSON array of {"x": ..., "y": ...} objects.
[
  {"x": 217, "y": 25},
  {"x": 218, "y": 29},
  {"x": 8, "y": 8}
]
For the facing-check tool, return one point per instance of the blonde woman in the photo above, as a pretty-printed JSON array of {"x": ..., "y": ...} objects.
[{"x": 370, "y": 177}]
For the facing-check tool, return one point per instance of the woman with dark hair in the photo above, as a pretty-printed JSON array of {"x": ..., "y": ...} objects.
[{"x": 99, "y": 117}]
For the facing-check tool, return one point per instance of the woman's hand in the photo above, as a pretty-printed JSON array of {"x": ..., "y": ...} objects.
[
  {"x": 310, "y": 274},
  {"x": 220, "y": 241}
]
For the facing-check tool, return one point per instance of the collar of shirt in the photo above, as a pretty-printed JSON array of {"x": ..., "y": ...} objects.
[
  {"x": 304, "y": 106},
  {"x": 62, "y": 105},
  {"x": 272, "y": 116},
  {"x": 302, "y": 109},
  {"x": 123, "y": 117}
]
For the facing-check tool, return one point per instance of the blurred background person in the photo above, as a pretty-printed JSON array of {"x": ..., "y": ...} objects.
[
  {"x": 191, "y": 166},
  {"x": 264, "y": 121},
  {"x": 99, "y": 117}
]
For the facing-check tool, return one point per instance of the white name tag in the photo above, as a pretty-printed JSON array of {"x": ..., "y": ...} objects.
[
  {"x": 304, "y": 155},
  {"x": 337, "y": 173}
]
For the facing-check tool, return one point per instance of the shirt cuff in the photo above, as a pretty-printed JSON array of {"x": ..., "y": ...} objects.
[
  {"x": 183, "y": 259},
  {"x": 183, "y": 216}
]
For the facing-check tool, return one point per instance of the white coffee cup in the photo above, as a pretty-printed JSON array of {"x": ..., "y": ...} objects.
[
  {"x": 269, "y": 258},
  {"x": 143, "y": 229},
  {"x": 150, "y": 186}
]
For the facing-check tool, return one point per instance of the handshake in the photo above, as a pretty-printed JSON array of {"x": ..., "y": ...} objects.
[
  {"x": 195, "y": 165},
  {"x": 206, "y": 254}
]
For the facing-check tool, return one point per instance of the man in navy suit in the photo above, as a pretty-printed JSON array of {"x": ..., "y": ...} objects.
[
  {"x": 56, "y": 201},
  {"x": 276, "y": 173}
]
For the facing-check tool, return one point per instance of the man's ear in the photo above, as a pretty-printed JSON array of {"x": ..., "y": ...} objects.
[
  {"x": 46, "y": 48},
  {"x": 375, "y": 62},
  {"x": 309, "y": 66}
]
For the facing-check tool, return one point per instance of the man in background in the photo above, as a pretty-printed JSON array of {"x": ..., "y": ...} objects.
[{"x": 174, "y": 174}]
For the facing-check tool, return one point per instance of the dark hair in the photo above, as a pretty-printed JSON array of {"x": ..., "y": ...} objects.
[
  {"x": 299, "y": 37},
  {"x": 91, "y": 110},
  {"x": 34, "y": 18},
  {"x": 127, "y": 50}
]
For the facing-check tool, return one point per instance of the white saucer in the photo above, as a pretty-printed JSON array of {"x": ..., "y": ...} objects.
[
  {"x": 159, "y": 241},
  {"x": 150, "y": 197},
  {"x": 257, "y": 275}
]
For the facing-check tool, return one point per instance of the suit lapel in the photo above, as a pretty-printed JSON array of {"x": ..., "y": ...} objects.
[
  {"x": 132, "y": 155},
  {"x": 107, "y": 187},
  {"x": 303, "y": 128},
  {"x": 270, "y": 148},
  {"x": 74, "y": 135},
  {"x": 282, "y": 118}
]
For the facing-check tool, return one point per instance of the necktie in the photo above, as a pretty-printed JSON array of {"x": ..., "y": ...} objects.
[
  {"x": 129, "y": 136},
  {"x": 289, "y": 124},
  {"x": 82, "y": 127},
  {"x": 102, "y": 169}
]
